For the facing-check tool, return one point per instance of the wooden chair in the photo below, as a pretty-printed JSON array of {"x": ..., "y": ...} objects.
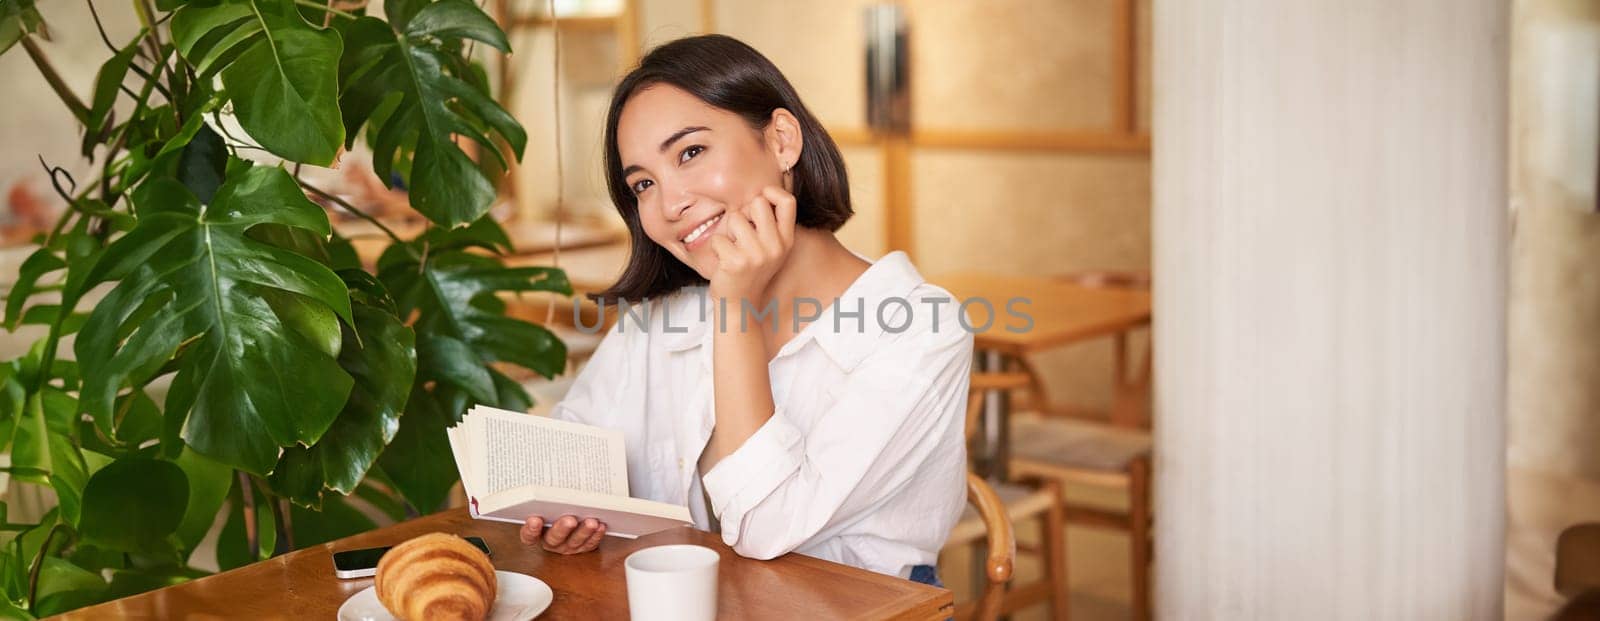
[
  {"x": 1070, "y": 451},
  {"x": 1577, "y": 575},
  {"x": 1578, "y": 560},
  {"x": 1069, "y": 445},
  {"x": 1002, "y": 553},
  {"x": 1059, "y": 445},
  {"x": 1014, "y": 501}
]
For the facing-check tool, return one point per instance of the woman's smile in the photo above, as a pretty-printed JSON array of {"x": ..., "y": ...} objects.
[{"x": 701, "y": 234}]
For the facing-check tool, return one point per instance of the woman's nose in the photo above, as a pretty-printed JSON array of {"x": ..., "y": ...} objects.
[{"x": 677, "y": 201}]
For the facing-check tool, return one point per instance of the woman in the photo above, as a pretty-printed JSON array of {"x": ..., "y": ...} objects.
[{"x": 837, "y": 433}]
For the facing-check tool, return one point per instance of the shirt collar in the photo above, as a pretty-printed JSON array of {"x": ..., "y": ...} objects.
[{"x": 888, "y": 278}]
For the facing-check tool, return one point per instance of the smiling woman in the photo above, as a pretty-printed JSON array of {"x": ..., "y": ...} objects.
[
  {"x": 729, "y": 97},
  {"x": 841, "y": 440}
]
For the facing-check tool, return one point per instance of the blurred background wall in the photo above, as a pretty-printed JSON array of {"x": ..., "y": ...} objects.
[
  {"x": 1553, "y": 383},
  {"x": 1030, "y": 122}
]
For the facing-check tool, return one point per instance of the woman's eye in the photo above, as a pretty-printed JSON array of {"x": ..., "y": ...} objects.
[
  {"x": 640, "y": 186},
  {"x": 690, "y": 152}
]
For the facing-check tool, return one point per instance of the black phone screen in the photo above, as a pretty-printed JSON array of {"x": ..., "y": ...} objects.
[{"x": 367, "y": 558}]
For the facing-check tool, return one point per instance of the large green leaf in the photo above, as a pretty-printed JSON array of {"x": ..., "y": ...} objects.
[
  {"x": 418, "y": 460},
  {"x": 64, "y": 586},
  {"x": 408, "y": 83},
  {"x": 134, "y": 505},
  {"x": 24, "y": 549},
  {"x": 254, "y": 374},
  {"x": 135, "y": 581},
  {"x": 380, "y": 354},
  {"x": 336, "y": 520},
  {"x": 41, "y": 262},
  {"x": 461, "y": 324},
  {"x": 280, "y": 72},
  {"x": 209, "y": 482},
  {"x": 8, "y": 609},
  {"x": 461, "y": 329},
  {"x": 43, "y": 450}
]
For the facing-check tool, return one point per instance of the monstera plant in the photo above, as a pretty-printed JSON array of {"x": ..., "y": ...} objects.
[{"x": 211, "y": 345}]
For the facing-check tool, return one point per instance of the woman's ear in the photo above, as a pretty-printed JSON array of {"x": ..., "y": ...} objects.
[{"x": 784, "y": 139}]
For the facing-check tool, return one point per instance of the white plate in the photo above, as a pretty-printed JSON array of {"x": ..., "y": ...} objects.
[{"x": 518, "y": 597}]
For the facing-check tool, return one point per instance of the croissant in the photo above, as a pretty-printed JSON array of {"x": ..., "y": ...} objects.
[{"x": 436, "y": 577}]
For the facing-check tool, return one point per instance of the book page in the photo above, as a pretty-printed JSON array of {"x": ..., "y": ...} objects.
[{"x": 516, "y": 450}]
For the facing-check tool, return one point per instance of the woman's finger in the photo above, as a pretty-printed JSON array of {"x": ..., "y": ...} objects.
[
  {"x": 531, "y": 529},
  {"x": 743, "y": 233},
  {"x": 783, "y": 210},
  {"x": 594, "y": 540},
  {"x": 727, "y": 255},
  {"x": 581, "y": 535},
  {"x": 558, "y": 532},
  {"x": 765, "y": 224}
]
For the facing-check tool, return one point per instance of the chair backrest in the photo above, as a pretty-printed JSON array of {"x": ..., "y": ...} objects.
[
  {"x": 1578, "y": 559},
  {"x": 1002, "y": 549},
  {"x": 982, "y": 382}
]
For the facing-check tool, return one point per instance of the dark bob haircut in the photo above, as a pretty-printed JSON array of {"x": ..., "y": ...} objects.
[{"x": 727, "y": 74}]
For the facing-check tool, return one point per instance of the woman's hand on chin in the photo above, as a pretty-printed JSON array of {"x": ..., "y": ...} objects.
[
  {"x": 567, "y": 535},
  {"x": 752, "y": 245}
]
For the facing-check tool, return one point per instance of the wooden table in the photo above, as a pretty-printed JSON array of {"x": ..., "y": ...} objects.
[
  {"x": 300, "y": 585},
  {"x": 1063, "y": 313}
]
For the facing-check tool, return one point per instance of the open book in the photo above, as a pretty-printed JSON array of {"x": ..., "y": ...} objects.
[{"x": 518, "y": 465}]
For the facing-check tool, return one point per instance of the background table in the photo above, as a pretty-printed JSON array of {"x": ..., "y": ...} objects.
[
  {"x": 1063, "y": 313},
  {"x": 300, "y": 585}
]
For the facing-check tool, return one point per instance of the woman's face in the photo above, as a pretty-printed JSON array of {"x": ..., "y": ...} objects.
[{"x": 690, "y": 164}]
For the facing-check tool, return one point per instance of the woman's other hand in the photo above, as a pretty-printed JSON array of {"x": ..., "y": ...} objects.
[{"x": 567, "y": 535}]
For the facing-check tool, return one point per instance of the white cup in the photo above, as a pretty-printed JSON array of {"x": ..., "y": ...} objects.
[{"x": 672, "y": 583}]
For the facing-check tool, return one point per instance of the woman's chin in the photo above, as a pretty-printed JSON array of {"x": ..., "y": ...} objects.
[
  {"x": 706, "y": 269},
  {"x": 704, "y": 266}
]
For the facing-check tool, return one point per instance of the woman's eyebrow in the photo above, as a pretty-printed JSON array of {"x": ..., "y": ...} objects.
[{"x": 666, "y": 144}]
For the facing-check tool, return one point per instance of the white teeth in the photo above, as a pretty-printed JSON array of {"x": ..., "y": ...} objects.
[{"x": 700, "y": 230}]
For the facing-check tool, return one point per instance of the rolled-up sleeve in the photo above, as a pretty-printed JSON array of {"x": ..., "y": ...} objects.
[{"x": 895, "y": 412}]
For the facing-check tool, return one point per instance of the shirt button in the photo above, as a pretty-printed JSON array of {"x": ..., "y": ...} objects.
[{"x": 680, "y": 463}]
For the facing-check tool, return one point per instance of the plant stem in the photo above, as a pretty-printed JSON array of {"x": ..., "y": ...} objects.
[
  {"x": 147, "y": 19},
  {"x": 139, "y": 105},
  {"x": 153, "y": 32},
  {"x": 56, "y": 83},
  {"x": 69, "y": 297},
  {"x": 280, "y": 509},
  {"x": 72, "y": 206},
  {"x": 352, "y": 209},
  {"x": 252, "y": 536},
  {"x": 328, "y": 7},
  {"x": 38, "y": 563},
  {"x": 99, "y": 26}
]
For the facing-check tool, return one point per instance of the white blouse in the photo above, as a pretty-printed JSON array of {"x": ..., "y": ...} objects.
[{"x": 862, "y": 463}]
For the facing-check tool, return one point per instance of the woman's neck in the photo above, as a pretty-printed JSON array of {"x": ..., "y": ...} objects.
[{"x": 819, "y": 268}]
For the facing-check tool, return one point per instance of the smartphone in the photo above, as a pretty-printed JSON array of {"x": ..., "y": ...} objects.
[{"x": 364, "y": 563}]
